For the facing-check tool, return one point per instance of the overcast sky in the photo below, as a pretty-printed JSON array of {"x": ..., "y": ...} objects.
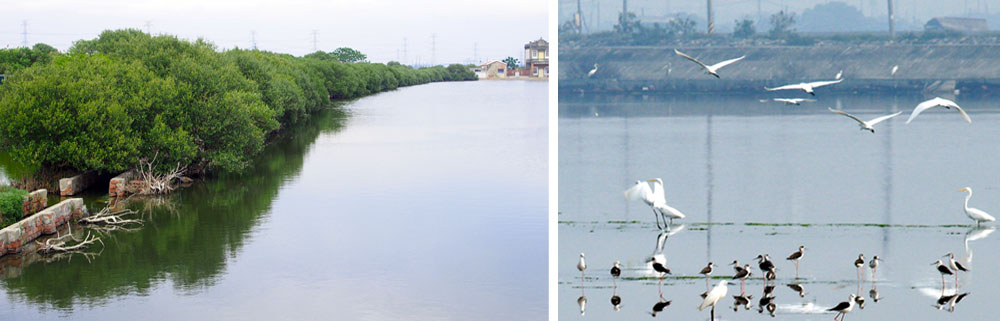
[{"x": 375, "y": 27}]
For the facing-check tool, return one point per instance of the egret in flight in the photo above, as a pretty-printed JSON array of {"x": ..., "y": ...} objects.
[
  {"x": 713, "y": 69},
  {"x": 937, "y": 101},
  {"x": 792, "y": 101},
  {"x": 974, "y": 213},
  {"x": 655, "y": 199},
  {"x": 592, "y": 71},
  {"x": 866, "y": 125},
  {"x": 839, "y": 74},
  {"x": 806, "y": 86}
]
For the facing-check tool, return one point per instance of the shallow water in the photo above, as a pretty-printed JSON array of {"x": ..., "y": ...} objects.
[
  {"x": 757, "y": 178},
  {"x": 427, "y": 202}
]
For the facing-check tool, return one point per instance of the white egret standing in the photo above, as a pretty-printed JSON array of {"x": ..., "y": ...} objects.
[
  {"x": 866, "y": 125},
  {"x": 936, "y": 102},
  {"x": 713, "y": 69},
  {"x": 806, "y": 86},
  {"x": 655, "y": 199},
  {"x": 592, "y": 71},
  {"x": 974, "y": 213},
  {"x": 713, "y": 296},
  {"x": 843, "y": 307}
]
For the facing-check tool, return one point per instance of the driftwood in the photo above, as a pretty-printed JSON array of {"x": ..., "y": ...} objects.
[
  {"x": 155, "y": 184},
  {"x": 109, "y": 217},
  {"x": 58, "y": 244}
]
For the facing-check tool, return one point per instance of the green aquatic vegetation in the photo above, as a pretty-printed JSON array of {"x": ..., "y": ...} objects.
[{"x": 11, "y": 202}]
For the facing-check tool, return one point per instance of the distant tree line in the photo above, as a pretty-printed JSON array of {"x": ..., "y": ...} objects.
[{"x": 126, "y": 95}]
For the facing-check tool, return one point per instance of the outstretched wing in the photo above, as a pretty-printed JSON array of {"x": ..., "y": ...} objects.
[
  {"x": 880, "y": 119},
  {"x": 690, "y": 58},
  {"x": 964, "y": 115},
  {"x": 848, "y": 115},
  {"x": 795, "y": 86},
  {"x": 921, "y": 107},
  {"x": 824, "y": 83},
  {"x": 659, "y": 196},
  {"x": 639, "y": 191},
  {"x": 726, "y": 63}
]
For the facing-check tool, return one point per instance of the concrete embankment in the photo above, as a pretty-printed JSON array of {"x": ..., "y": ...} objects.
[
  {"x": 969, "y": 68},
  {"x": 17, "y": 235}
]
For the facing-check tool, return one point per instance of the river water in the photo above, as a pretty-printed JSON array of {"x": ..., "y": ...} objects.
[
  {"x": 757, "y": 178},
  {"x": 426, "y": 202}
]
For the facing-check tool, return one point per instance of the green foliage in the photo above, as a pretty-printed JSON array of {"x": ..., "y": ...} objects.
[
  {"x": 781, "y": 24},
  {"x": 12, "y": 60},
  {"x": 127, "y": 95},
  {"x": 348, "y": 55},
  {"x": 627, "y": 23},
  {"x": 11, "y": 205},
  {"x": 511, "y": 62},
  {"x": 744, "y": 29},
  {"x": 681, "y": 25}
]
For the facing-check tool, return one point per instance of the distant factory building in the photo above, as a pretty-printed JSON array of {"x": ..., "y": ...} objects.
[
  {"x": 963, "y": 25},
  {"x": 536, "y": 58}
]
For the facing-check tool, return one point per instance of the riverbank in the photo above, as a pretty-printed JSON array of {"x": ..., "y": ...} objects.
[
  {"x": 126, "y": 97},
  {"x": 971, "y": 68}
]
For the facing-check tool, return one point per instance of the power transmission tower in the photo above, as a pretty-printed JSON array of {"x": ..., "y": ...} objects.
[
  {"x": 253, "y": 39},
  {"x": 149, "y": 27},
  {"x": 433, "y": 47},
  {"x": 892, "y": 29},
  {"x": 711, "y": 22},
  {"x": 24, "y": 32},
  {"x": 314, "y": 40},
  {"x": 475, "y": 52},
  {"x": 404, "y": 52}
]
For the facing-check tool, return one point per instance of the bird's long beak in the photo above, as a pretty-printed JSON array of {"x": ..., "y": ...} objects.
[
  {"x": 651, "y": 180},
  {"x": 963, "y": 190}
]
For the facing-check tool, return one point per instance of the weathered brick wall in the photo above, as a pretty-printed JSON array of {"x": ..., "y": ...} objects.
[
  {"x": 76, "y": 184},
  {"x": 119, "y": 185},
  {"x": 19, "y": 234},
  {"x": 35, "y": 202}
]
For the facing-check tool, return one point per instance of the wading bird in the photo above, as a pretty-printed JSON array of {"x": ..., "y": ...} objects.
[
  {"x": 874, "y": 265},
  {"x": 858, "y": 264},
  {"x": 955, "y": 265},
  {"x": 843, "y": 308},
  {"x": 616, "y": 271},
  {"x": 742, "y": 274},
  {"x": 941, "y": 268},
  {"x": 766, "y": 266},
  {"x": 795, "y": 257},
  {"x": 806, "y": 86},
  {"x": 866, "y": 125},
  {"x": 937, "y": 102},
  {"x": 713, "y": 69},
  {"x": 713, "y": 296},
  {"x": 975, "y": 214},
  {"x": 655, "y": 199},
  {"x": 581, "y": 265},
  {"x": 707, "y": 272},
  {"x": 592, "y": 71}
]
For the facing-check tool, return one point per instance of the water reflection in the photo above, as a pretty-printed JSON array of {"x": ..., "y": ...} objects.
[
  {"x": 798, "y": 288},
  {"x": 582, "y": 302},
  {"x": 659, "y": 306},
  {"x": 190, "y": 249},
  {"x": 950, "y": 301},
  {"x": 616, "y": 302},
  {"x": 742, "y": 301}
]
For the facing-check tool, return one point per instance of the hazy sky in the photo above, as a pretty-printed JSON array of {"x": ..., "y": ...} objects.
[
  {"x": 728, "y": 10},
  {"x": 376, "y": 27}
]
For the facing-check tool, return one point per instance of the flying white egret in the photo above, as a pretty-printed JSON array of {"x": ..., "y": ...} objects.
[
  {"x": 793, "y": 101},
  {"x": 894, "y": 69},
  {"x": 866, "y": 125},
  {"x": 844, "y": 307},
  {"x": 713, "y": 296},
  {"x": 713, "y": 69},
  {"x": 592, "y": 71},
  {"x": 655, "y": 199},
  {"x": 806, "y": 86},
  {"x": 839, "y": 74},
  {"x": 974, "y": 213},
  {"x": 937, "y": 101}
]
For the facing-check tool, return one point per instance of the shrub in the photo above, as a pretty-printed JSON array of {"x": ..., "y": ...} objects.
[{"x": 11, "y": 205}]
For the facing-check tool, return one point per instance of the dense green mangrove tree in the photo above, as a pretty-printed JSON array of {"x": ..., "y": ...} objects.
[{"x": 127, "y": 95}]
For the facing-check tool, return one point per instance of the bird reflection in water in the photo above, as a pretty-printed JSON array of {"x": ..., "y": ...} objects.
[
  {"x": 950, "y": 301},
  {"x": 742, "y": 301},
  {"x": 659, "y": 306},
  {"x": 616, "y": 302},
  {"x": 582, "y": 302},
  {"x": 873, "y": 293},
  {"x": 766, "y": 303},
  {"x": 798, "y": 288}
]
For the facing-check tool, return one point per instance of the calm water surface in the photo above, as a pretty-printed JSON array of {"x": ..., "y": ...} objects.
[
  {"x": 757, "y": 178},
  {"x": 427, "y": 202}
]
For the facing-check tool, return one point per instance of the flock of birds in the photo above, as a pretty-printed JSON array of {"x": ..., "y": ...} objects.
[{"x": 654, "y": 197}]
